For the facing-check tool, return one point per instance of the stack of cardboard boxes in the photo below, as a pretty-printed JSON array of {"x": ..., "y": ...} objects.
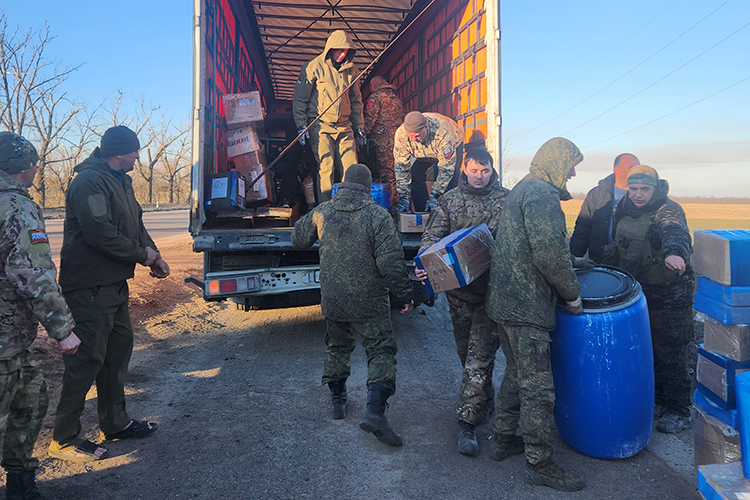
[{"x": 722, "y": 261}]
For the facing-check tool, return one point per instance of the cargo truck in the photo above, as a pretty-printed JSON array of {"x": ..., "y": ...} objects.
[{"x": 442, "y": 56}]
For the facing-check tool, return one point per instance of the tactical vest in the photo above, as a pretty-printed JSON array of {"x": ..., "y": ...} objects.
[{"x": 636, "y": 254}]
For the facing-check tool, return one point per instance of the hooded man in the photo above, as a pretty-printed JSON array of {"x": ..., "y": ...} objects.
[
  {"x": 29, "y": 295},
  {"x": 478, "y": 199},
  {"x": 332, "y": 138},
  {"x": 531, "y": 266},
  {"x": 652, "y": 241},
  {"x": 103, "y": 239},
  {"x": 361, "y": 261},
  {"x": 384, "y": 113}
]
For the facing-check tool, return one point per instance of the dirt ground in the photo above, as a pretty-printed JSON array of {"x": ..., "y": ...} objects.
[{"x": 242, "y": 414}]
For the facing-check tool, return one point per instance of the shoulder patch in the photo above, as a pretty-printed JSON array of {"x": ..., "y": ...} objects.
[
  {"x": 369, "y": 104},
  {"x": 38, "y": 236},
  {"x": 448, "y": 152},
  {"x": 395, "y": 149}
]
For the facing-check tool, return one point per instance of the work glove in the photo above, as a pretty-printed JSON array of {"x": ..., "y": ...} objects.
[
  {"x": 574, "y": 307},
  {"x": 431, "y": 202},
  {"x": 583, "y": 263},
  {"x": 303, "y": 139},
  {"x": 359, "y": 138},
  {"x": 402, "y": 205}
]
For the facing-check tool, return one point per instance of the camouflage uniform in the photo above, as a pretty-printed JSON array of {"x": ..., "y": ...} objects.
[
  {"x": 384, "y": 113},
  {"x": 332, "y": 137},
  {"x": 444, "y": 143},
  {"x": 476, "y": 335},
  {"x": 361, "y": 260},
  {"x": 669, "y": 296},
  {"x": 29, "y": 295},
  {"x": 531, "y": 266}
]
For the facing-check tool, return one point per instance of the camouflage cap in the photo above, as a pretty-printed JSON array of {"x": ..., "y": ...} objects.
[
  {"x": 643, "y": 174},
  {"x": 16, "y": 153}
]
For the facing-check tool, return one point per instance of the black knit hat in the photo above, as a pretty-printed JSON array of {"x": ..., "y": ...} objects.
[
  {"x": 359, "y": 174},
  {"x": 119, "y": 140}
]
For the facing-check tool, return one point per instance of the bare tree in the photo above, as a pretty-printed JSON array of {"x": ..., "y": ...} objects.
[{"x": 177, "y": 160}]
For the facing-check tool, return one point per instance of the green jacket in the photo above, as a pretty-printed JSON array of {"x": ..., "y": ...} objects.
[
  {"x": 320, "y": 83},
  {"x": 361, "y": 257},
  {"x": 29, "y": 294},
  {"x": 104, "y": 237},
  {"x": 531, "y": 262},
  {"x": 461, "y": 207}
]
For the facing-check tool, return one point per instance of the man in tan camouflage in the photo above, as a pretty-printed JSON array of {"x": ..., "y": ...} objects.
[
  {"x": 29, "y": 295},
  {"x": 333, "y": 137},
  {"x": 361, "y": 261},
  {"x": 478, "y": 199},
  {"x": 384, "y": 113},
  {"x": 432, "y": 137}
]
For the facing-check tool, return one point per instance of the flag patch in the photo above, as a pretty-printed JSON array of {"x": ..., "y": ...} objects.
[
  {"x": 38, "y": 236},
  {"x": 448, "y": 152},
  {"x": 369, "y": 105}
]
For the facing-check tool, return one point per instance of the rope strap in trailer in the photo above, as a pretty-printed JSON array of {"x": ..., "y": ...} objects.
[{"x": 276, "y": 160}]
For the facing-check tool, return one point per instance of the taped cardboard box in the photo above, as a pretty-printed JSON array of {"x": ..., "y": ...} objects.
[
  {"x": 723, "y": 255},
  {"x": 243, "y": 109},
  {"x": 225, "y": 190},
  {"x": 715, "y": 441},
  {"x": 242, "y": 141},
  {"x": 262, "y": 192},
  {"x": 723, "y": 482},
  {"x": 456, "y": 260},
  {"x": 732, "y": 341},
  {"x": 729, "y": 315},
  {"x": 412, "y": 222},
  {"x": 729, "y": 417},
  {"x": 715, "y": 374}
]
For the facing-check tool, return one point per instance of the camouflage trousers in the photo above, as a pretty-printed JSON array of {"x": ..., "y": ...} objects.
[
  {"x": 671, "y": 333},
  {"x": 477, "y": 342},
  {"x": 23, "y": 405},
  {"x": 527, "y": 394},
  {"x": 385, "y": 164},
  {"x": 335, "y": 152},
  {"x": 378, "y": 342}
]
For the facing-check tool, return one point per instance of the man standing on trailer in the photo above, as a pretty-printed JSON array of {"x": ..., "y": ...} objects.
[
  {"x": 426, "y": 136},
  {"x": 332, "y": 138}
]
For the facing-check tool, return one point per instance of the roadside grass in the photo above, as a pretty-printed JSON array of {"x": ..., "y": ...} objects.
[{"x": 694, "y": 223}]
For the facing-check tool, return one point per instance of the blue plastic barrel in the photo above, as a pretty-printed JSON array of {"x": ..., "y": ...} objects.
[{"x": 603, "y": 367}]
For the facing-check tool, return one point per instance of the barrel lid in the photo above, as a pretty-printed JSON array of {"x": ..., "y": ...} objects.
[{"x": 606, "y": 286}]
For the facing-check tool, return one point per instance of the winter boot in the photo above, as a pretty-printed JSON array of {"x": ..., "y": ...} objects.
[
  {"x": 554, "y": 476},
  {"x": 669, "y": 423},
  {"x": 21, "y": 486},
  {"x": 339, "y": 403},
  {"x": 502, "y": 449},
  {"x": 467, "y": 439},
  {"x": 374, "y": 420}
]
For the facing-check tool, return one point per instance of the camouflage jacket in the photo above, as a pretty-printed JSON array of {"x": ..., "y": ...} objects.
[
  {"x": 29, "y": 294},
  {"x": 444, "y": 136},
  {"x": 104, "y": 235},
  {"x": 320, "y": 83},
  {"x": 664, "y": 232},
  {"x": 361, "y": 257},
  {"x": 531, "y": 263},
  {"x": 462, "y": 207},
  {"x": 384, "y": 113}
]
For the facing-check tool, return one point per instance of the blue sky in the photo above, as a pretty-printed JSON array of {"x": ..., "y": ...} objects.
[{"x": 564, "y": 63}]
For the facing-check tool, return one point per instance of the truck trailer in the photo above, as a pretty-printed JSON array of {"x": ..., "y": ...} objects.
[{"x": 442, "y": 56}]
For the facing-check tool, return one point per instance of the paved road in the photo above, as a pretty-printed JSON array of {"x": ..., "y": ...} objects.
[{"x": 159, "y": 224}]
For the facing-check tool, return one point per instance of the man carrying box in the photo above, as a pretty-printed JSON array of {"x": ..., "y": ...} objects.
[{"x": 478, "y": 199}]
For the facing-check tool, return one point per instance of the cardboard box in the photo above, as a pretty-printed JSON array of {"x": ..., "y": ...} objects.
[
  {"x": 723, "y": 255},
  {"x": 729, "y": 417},
  {"x": 729, "y": 315},
  {"x": 723, "y": 482},
  {"x": 732, "y": 341},
  {"x": 412, "y": 222},
  {"x": 243, "y": 140},
  {"x": 225, "y": 190},
  {"x": 244, "y": 163},
  {"x": 456, "y": 260},
  {"x": 243, "y": 109},
  {"x": 261, "y": 192},
  {"x": 715, "y": 374},
  {"x": 715, "y": 441}
]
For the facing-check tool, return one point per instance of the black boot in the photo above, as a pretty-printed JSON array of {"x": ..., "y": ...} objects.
[
  {"x": 339, "y": 403},
  {"x": 466, "y": 434},
  {"x": 21, "y": 486},
  {"x": 374, "y": 420}
]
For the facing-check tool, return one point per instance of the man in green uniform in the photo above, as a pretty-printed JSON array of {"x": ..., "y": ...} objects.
[
  {"x": 29, "y": 295},
  {"x": 426, "y": 136},
  {"x": 531, "y": 265},
  {"x": 104, "y": 238},
  {"x": 332, "y": 138},
  {"x": 361, "y": 261},
  {"x": 384, "y": 114},
  {"x": 478, "y": 199}
]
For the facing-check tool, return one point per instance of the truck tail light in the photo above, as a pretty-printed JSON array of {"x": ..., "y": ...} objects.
[{"x": 231, "y": 285}]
